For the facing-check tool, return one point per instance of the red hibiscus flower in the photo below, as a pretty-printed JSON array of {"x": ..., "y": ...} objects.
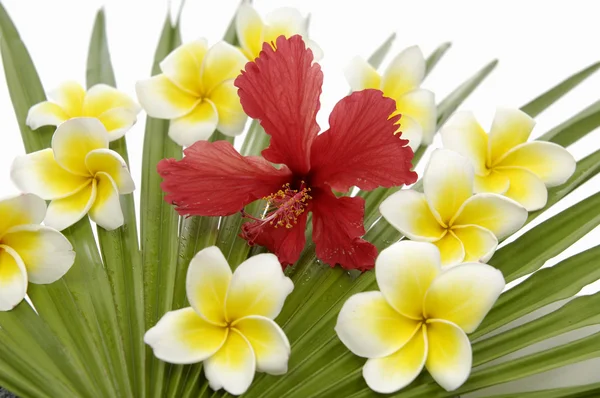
[{"x": 281, "y": 88}]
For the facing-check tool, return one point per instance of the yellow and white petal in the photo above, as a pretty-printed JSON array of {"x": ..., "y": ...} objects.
[
  {"x": 394, "y": 372},
  {"x": 182, "y": 66},
  {"x": 315, "y": 48},
  {"x": 494, "y": 182},
  {"x": 208, "y": 279},
  {"x": 410, "y": 130},
  {"x": 405, "y": 73},
  {"x": 21, "y": 210},
  {"x": 45, "y": 114},
  {"x": 198, "y": 125},
  {"x": 111, "y": 163},
  {"x": 452, "y": 251},
  {"x": 287, "y": 21},
  {"x": 232, "y": 367},
  {"x": 269, "y": 343},
  {"x": 404, "y": 272},
  {"x": 511, "y": 127},
  {"x": 74, "y": 139},
  {"x": 464, "y": 294},
  {"x": 162, "y": 99},
  {"x": 249, "y": 28},
  {"x": 117, "y": 122},
  {"x": 101, "y": 98},
  {"x": 106, "y": 210},
  {"x": 447, "y": 183},
  {"x": 13, "y": 279},
  {"x": 419, "y": 105},
  {"x": 407, "y": 210},
  {"x": 499, "y": 214},
  {"x": 62, "y": 213},
  {"x": 69, "y": 96},
  {"x": 222, "y": 62},
  {"x": 464, "y": 134},
  {"x": 361, "y": 75},
  {"x": 258, "y": 287},
  {"x": 525, "y": 188},
  {"x": 183, "y": 337},
  {"x": 479, "y": 243},
  {"x": 39, "y": 173},
  {"x": 232, "y": 118},
  {"x": 552, "y": 163},
  {"x": 371, "y": 328},
  {"x": 46, "y": 253},
  {"x": 449, "y": 359}
]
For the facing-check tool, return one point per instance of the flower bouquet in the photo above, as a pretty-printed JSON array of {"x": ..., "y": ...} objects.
[{"x": 307, "y": 263}]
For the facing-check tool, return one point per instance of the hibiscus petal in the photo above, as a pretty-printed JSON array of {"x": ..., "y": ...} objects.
[
  {"x": 13, "y": 279},
  {"x": 232, "y": 118},
  {"x": 258, "y": 287},
  {"x": 111, "y": 163},
  {"x": 161, "y": 98},
  {"x": 62, "y": 213},
  {"x": 361, "y": 75},
  {"x": 525, "y": 188},
  {"x": 394, "y": 372},
  {"x": 106, "y": 210},
  {"x": 69, "y": 96},
  {"x": 21, "y": 210},
  {"x": 222, "y": 62},
  {"x": 337, "y": 228},
  {"x": 494, "y": 182},
  {"x": 45, "y": 114},
  {"x": 183, "y": 337},
  {"x": 281, "y": 88},
  {"x": 497, "y": 213},
  {"x": 182, "y": 66},
  {"x": 232, "y": 367},
  {"x": 39, "y": 173},
  {"x": 371, "y": 328},
  {"x": 213, "y": 179},
  {"x": 405, "y": 72},
  {"x": 208, "y": 278},
  {"x": 420, "y": 106},
  {"x": 269, "y": 343},
  {"x": 117, "y": 122},
  {"x": 249, "y": 28},
  {"x": 464, "y": 134},
  {"x": 198, "y": 125},
  {"x": 360, "y": 148},
  {"x": 101, "y": 98},
  {"x": 550, "y": 162},
  {"x": 46, "y": 253},
  {"x": 510, "y": 128},
  {"x": 464, "y": 295},
  {"x": 479, "y": 243},
  {"x": 449, "y": 358},
  {"x": 451, "y": 249}
]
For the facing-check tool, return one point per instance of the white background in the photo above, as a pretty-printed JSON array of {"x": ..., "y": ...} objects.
[{"x": 538, "y": 44}]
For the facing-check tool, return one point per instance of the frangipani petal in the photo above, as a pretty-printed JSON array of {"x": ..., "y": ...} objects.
[
  {"x": 404, "y": 272},
  {"x": 419, "y": 105},
  {"x": 74, "y": 139},
  {"x": 161, "y": 98},
  {"x": 45, "y": 114},
  {"x": 501, "y": 215},
  {"x": 479, "y": 243},
  {"x": 371, "y": 328},
  {"x": 62, "y": 213},
  {"x": 510, "y": 128},
  {"x": 101, "y": 98},
  {"x": 232, "y": 367},
  {"x": 463, "y": 134},
  {"x": 182, "y": 66},
  {"x": 117, "y": 122},
  {"x": 409, "y": 213},
  {"x": 198, "y": 125},
  {"x": 550, "y": 162},
  {"x": 258, "y": 287},
  {"x": 21, "y": 210},
  {"x": 222, "y": 62},
  {"x": 394, "y": 372},
  {"x": 232, "y": 118},
  {"x": 449, "y": 359},
  {"x": 405, "y": 72},
  {"x": 45, "y": 252},
  {"x": 269, "y": 343},
  {"x": 183, "y": 337},
  {"x": 39, "y": 173},
  {"x": 464, "y": 295},
  {"x": 13, "y": 279},
  {"x": 208, "y": 278},
  {"x": 111, "y": 163},
  {"x": 451, "y": 249},
  {"x": 315, "y": 48},
  {"x": 69, "y": 96},
  {"x": 249, "y": 28},
  {"x": 525, "y": 188},
  {"x": 361, "y": 75},
  {"x": 285, "y": 21},
  {"x": 106, "y": 210},
  {"x": 494, "y": 182},
  {"x": 447, "y": 183}
]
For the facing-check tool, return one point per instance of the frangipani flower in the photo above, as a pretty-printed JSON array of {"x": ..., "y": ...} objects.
[
  {"x": 230, "y": 323},
  {"x": 79, "y": 174},
  {"x": 505, "y": 163},
  {"x": 29, "y": 252},
  {"x": 252, "y": 32},
  {"x": 281, "y": 89},
  {"x": 419, "y": 318},
  {"x": 196, "y": 92},
  {"x": 116, "y": 110},
  {"x": 401, "y": 82},
  {"x": 464, "y": 227}
]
